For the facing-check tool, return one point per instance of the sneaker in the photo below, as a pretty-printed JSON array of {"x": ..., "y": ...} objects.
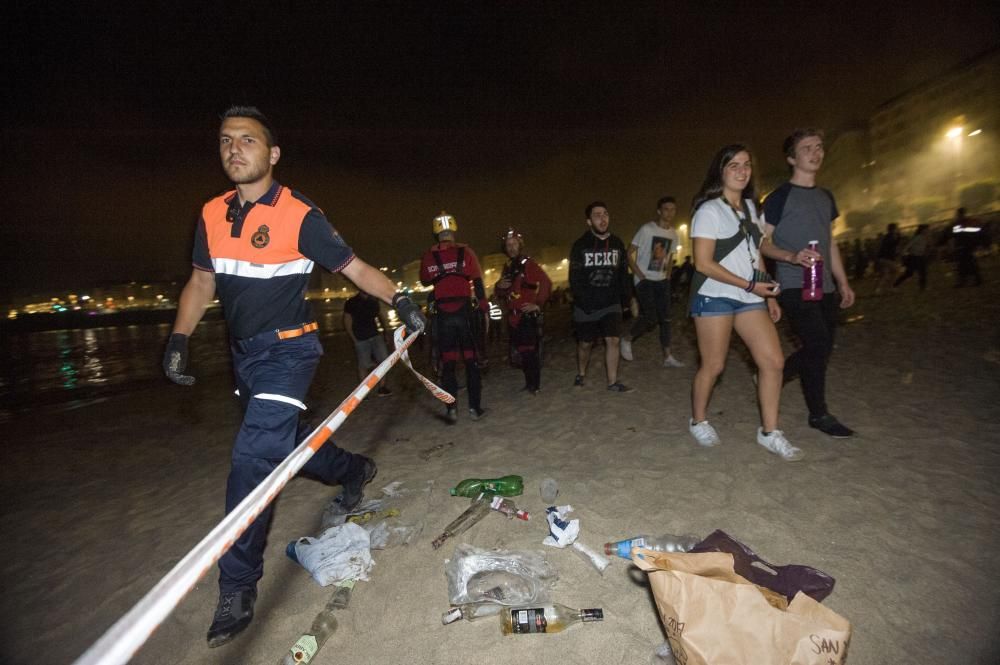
[
  {"x": 670, "y": 361},
  {"x": 779, "y": 445},
  {"x": 625, "y": 346},
  {"x": 578, "y": 381},
  {"x": 354, "y": 487},
  {"x": 829, "y": 425},
  {"x": 476, "y": 414},
  {"x": 232, "y": 615},
  {"x": 619, "y": 387},
  {"x": 383, "y": 391},
  {"x": 451, "y": 415},
  {"x": 704, "y": 433}
]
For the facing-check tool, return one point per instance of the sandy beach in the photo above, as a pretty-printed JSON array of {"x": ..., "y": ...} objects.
[{"x": 101, "y": 501}]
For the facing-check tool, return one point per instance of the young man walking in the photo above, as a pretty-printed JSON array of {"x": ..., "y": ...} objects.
[
  {"x": 651, "y": 258},
  {"x": 255, "y": 247},
  {"x": 795, "y": 214}
]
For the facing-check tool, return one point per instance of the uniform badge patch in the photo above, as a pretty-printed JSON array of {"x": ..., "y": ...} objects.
[{"x": 260, "y": 239}]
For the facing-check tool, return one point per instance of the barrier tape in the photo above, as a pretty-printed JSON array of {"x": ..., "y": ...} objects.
[{"x": 120, "y": 642}]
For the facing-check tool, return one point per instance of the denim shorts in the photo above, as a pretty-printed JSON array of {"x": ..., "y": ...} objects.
[{"x": 709, "y": 306}]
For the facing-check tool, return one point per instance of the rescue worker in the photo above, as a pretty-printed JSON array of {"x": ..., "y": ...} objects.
[
  {"x": 522, "y": 290},
  {"x": 453, "y": 270},
  {"x": 254, "y": 247}
]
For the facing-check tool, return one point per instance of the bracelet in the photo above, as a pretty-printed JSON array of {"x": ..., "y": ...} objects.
[{"x": 752, "y": 283}]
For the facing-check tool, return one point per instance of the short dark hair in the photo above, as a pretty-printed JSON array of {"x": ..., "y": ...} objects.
[
  {"x": 254, "y": 113},
  {"x": 792, "y": 140},
  {"x": 665, "y": 199},
  {"x": 591, "y": 206}
]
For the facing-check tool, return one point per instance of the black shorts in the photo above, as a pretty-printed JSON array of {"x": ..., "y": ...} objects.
[{"x": 609, "y": 325}]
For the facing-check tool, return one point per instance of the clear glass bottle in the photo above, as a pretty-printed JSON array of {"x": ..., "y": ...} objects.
[
  {"x": 323, "y": 626},
  {"x": 551, "y": 618},
  {"x": 471, "y": 612}
]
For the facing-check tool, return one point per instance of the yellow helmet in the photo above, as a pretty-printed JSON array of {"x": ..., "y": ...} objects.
[{"x": 444, "y": 222}]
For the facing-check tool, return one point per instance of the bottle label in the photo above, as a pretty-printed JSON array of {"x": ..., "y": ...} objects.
[
  {"x": 593, "y": 614},
  {"x": 304, "y": 649},
  {"x": 529, "y": 620},
  {"x": 637, "y": 542}
]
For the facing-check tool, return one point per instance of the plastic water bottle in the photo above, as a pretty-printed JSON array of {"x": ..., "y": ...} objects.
[
  {"x": 664, "y": 543},
  {"x": 812, "y": 276}
]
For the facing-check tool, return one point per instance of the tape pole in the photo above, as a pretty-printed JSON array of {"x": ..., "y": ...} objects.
[{"x": 121, "y": 641}]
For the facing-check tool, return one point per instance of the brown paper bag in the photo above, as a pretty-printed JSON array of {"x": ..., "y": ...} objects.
[{"x": 715, "y": 617}]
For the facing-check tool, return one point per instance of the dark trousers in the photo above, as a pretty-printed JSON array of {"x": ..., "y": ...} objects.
[
  {"x": 525, "y": 339},
  {"x": 654, "y": 308},
  {"x": 455, "y": 340},
  {"x": 914, "y": 264},
  {"x": 273, "y": 378},
  {"x": 968, "y": 267},
  {"x": 814, "y": 323}
]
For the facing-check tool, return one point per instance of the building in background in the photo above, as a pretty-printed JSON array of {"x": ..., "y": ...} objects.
[{"x": 935, "y": 146}]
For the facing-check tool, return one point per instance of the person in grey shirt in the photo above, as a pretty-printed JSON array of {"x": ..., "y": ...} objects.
[{"x": 796, "y": 213}]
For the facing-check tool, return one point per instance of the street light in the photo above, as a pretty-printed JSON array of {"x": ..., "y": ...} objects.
[{"x": 954, "y": 133}]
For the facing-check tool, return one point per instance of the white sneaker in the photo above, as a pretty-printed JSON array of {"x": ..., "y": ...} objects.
[
  {"x": 704, "y": 433},
  {"x": 670, "y": 361},
  {"x": 626, "y": 348},
  {"x": 779, "y": 445}
]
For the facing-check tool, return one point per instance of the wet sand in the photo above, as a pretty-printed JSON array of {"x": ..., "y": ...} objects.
[{"x": 102, "y": 500}]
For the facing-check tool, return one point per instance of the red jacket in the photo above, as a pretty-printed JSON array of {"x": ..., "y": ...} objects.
[
  {"x": 529, "y": 284},
  {"x": 453, "y": 270}
]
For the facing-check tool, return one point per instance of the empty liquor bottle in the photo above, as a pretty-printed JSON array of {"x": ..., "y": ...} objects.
[
  {"x": 505, "y": 486},
  {"x": 551, "y": 618},
  {"x": 307, "y": 645},
  {"x": 812, "y": 276},
  {"x": 664, "y": 543}
]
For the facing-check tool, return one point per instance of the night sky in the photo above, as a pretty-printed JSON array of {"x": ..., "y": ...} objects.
[{"x": 514, "y": 113}]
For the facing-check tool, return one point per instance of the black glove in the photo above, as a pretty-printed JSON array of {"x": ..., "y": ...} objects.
[
  {"x": 409, "y": 313},
  {"x": 175, "y": 360}
]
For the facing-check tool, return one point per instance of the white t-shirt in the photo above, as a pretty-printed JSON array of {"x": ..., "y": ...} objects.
[
  {"x": 715, "y": 219},
  {"x": 655, "y": 247}
]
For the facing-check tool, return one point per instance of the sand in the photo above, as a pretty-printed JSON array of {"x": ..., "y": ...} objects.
[{"x": 102, "y": 500}]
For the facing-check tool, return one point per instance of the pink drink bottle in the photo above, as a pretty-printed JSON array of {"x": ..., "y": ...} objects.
[{"x": 812, "y": 276}]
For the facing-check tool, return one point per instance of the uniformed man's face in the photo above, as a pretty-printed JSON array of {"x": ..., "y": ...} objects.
[
  {"x": 512, "y": 246},
  {"x": 599, "y": 220},
  {"x": 246, "y": 157}
]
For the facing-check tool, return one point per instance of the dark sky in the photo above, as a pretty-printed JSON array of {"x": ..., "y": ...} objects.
[{"x": 514, "y": 113}]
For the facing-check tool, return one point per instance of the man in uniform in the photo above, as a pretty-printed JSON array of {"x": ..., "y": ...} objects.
[
  {"x": 255, "y": 247},
  {"x": 523, "y": 289},
  {"x": 598, "y": 276},
  {"x": 796, "y": 213},
  {"x": 453, "y": 270}
]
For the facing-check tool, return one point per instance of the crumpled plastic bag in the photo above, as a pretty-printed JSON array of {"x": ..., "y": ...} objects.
[
  {"x": 498, "y": 576},
  {"x": 339, "y": 553}
]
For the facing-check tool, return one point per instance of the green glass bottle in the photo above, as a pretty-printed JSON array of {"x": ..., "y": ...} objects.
[{"x": 505, "y": 486}]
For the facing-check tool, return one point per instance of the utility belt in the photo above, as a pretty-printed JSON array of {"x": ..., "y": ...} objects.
[
  {"x": 468, "y": 304},
  {"x": 268, "y": 338}
]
